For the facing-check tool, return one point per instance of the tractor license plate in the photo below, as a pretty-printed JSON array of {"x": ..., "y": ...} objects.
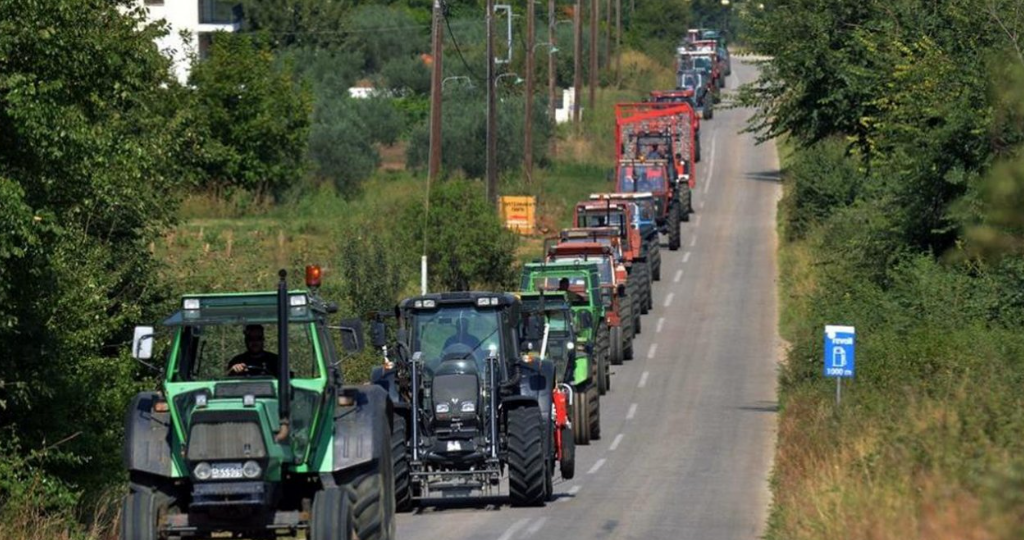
[{"x": 226, "y": 471}]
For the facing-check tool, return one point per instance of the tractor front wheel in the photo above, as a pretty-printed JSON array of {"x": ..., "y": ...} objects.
[
  {"x": 140, "y": 513},
  {"x": 601, "y": 358},
  {"x": 594, "y": 415},
  {"x": 372, "y": 499},
  {"x": 400, "y": 459},
  {"x": 331, "y": 515},
  {"x": 527, "y": 462}
]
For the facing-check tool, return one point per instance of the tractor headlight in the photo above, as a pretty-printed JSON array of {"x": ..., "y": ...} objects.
[
  {"x": 468, "y": 407},
  {"x": 441, "y": 408},
  {"x": 203, "y": 471},
  {"x": 251, "y": 470}
]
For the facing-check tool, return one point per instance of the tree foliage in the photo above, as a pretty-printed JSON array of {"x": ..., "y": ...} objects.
[
  {"x": 94, "y": 132},
  {"x": 253, "y": 119}
]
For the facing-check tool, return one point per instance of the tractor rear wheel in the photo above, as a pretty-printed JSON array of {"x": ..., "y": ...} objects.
[
  {"x": 602, "y": 359},
  {"x": 400, "y": 459},
  {"x": 684, "y": 212},
  {"x": 594, "y": 415},
  {"x": 567, "y": 464},
  {"x": 527, "y": 462},
  {"x": 645, "y": 288},
  {"x": 331, "y": 515},
  {"x": 674, "y": 234},
  {"x": 140, "y": 513},
  {"x": 616, "y": 338},
  {"x": 372, "y": 499},
  {"x": 581, "y": 418},
  {"x": 656, "y": 268}
]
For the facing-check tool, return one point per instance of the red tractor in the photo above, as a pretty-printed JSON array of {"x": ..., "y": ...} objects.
[
  {"x": 655, "y": 142},
  {"x": 683, "y": 95},
  {"x": 618, "y": 301},
  {"x": 622, "y": 215}
]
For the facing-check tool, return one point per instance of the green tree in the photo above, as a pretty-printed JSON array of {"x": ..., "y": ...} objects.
[
  {"x": 94, "y": 131},
  {"x": 253, "y": 119}
]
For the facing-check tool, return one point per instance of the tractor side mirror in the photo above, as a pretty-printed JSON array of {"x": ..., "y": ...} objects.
[
  {"x": 378, "y": 334},
  {"x": 142, "y": 343},
  {"x": 352, "y": 335}
]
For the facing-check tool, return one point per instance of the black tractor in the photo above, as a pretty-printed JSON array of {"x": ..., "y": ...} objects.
[{"x": 472, "y": 405}]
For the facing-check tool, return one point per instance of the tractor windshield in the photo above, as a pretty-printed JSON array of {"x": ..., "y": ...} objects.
[
  {"x": 577, "y": 287},
  {"x": 210, "y": 351},
  {"x": 604, "y": 264},
  {"x": 702, "y": 62},
  {"x": 601, "y": 218},
  {"x": 456, "y": 331},
  {"x": 640, "y": 178}
]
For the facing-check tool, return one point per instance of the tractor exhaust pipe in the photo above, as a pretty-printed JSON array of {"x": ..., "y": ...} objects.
[
  {"x": 284, "y": 384},
  {"x": 415, "y": 371}
]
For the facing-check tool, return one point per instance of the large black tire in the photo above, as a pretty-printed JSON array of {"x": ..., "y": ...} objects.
[
  {"x": 637, "y": 324},
  {"x": 650, "y": 293},
  {"x": 331, "y": 515},
  {"x": 645, "y": 289},
  {"x": 684, "y": 213},
  {"x": 581, "y": 418},
  {"x": 656, "y": 267},
  {"x": 696, "y": 151},
  {"x": 140, "y": 513},
  {"x": 675, "y": 238},
  {"x": 400, "y": 459},
  {"x": 372, "y": 498},
  {"x": 602, "y": 359},
  {"x": 567, "y": 465},
  {"x": 527, "y": 461},
  {"x": 594, "y": 415},
  {"x": 615, "y": 341}
]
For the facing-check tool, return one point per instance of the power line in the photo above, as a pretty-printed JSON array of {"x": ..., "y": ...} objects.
[{"x": 458, "y": 50}]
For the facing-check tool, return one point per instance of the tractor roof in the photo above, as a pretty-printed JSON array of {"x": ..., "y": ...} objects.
[
  {"x": 580, "y": 248},
  {"x": 459, "y": 298},
  {"x": 553, "y": 300},
  {"x": 245, "y": 308}
]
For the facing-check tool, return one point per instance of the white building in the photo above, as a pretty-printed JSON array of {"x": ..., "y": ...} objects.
[{"x": 192, "y": 24}]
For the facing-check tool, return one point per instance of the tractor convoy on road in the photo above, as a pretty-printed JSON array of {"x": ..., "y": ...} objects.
[{"x": 476, "y": 393}]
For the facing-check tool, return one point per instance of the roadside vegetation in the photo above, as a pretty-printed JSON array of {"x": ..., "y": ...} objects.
[
  {"x": 121, "y": 188},
  {"x": 902, "y": 216}
]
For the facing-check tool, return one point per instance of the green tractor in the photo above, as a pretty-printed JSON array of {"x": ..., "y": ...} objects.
[
  {"x": 241, "y": 441},
  {"x": 592, "y": 372}
]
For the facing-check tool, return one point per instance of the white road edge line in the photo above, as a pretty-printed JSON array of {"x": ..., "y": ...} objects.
[
  {"x": 615, "y": 443},
  {"x": 644, "y": 375},
  {"x": 632, "y": 411},
  {"x": 514, "y": 528},
  {"x": 668, "y": 299},
  {"x": 597, "y": 466},
  {"x": 536, "y": 526},
  {"x": 679, "y": 275},
  {"x": 711, "y": 169},
  {"x": 661, "y": 322},
  {"x": 686, "y": 257}
]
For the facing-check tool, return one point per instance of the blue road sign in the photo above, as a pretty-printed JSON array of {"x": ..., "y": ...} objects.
[{"x": 839, "y": 351}]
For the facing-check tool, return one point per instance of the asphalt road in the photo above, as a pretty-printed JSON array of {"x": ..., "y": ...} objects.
[{"x": 688, "y": 428}]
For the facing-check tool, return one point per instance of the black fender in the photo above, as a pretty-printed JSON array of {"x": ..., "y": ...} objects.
[
  {"x": 147, "y": 437},
  {"x": 536, "y": 381},
  {"x": 363, "y": 429}
]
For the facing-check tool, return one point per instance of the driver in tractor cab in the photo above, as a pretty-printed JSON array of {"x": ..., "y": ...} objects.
[
  {"x": 574, "y": 297},
  {"x": 255, "y": 360},
  {"x": 654, "y": 153},
  {"x": 462, "y": 336}
]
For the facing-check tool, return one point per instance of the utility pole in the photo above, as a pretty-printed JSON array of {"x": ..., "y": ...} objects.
[
  {"x": 492, "y": 113},
  {"x": 434, "y": 168},
  {"x": 577, "y": 60},
  {"x": 552, "y": 88},
  {"x": 607, "y": 33},
  {"x": 594, "y": 8},
  {"x": 528, "y": 130},
  {"x": 618, "y": 37}
]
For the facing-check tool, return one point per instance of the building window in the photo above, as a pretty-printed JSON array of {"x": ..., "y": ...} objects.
[
  {"x": 219, "y": 12},
  {"x": 205, "y": 41}
]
